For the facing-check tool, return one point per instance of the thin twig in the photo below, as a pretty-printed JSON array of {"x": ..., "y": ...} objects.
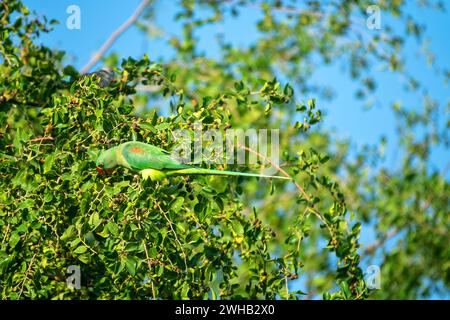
[
  {"x": 175, "y": 234},
  {"x": 279, "y": 169},
  {"x": 299, "y": 187},
  {"x": 149, "y": 263},
  {"x": 150, "y": 269},
  {"x": 287, "y": 287},
  {"x": 40, "y": 139},
  {"x": 85, "y": 244},
  {"x": 113, "y": 37},
  {"x": 26, "y": 274}
]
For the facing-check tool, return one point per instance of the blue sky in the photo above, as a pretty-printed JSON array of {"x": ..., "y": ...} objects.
[{"x": 344, "y": 113}]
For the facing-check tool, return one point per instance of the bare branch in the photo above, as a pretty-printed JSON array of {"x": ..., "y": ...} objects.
[
  {"x": 40, "y": 139},
  {"x": 113, "y": 37}
]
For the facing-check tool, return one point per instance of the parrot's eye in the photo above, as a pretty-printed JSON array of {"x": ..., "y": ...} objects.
[{"x": 100, "y": 170}]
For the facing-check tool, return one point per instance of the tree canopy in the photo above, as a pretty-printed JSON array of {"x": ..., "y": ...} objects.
[{"x": 216, "y": 237}]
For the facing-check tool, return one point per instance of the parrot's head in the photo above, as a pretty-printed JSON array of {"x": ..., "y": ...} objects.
[{"x": 105, "y": 162}]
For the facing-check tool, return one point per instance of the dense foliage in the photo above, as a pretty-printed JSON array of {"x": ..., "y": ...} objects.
[{"x": 210, "y": 237}]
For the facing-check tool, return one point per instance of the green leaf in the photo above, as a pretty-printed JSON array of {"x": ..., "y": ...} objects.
[
  {"x": 14, "y": 239},
  {"x": 177, "y": 204},
  {"x": 185, "y": 291},
  {"x": 4, "y": 265},
  {"x": 113, "y": 228},
  {"x": 239, "y": 85},
  {"x": 346, "y": 289},
  {"x": 48, "y": 163},
  {"x": 94, "y": 220},
  {"x": 80, "y": 250},
  {"x": 105, "y": 232},
  {"x": 130, "y": 264},
  {"x": 69, "y": 233},
  {"x": 85, "y": 258}
]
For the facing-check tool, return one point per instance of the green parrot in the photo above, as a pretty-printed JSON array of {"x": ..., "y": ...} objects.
[{"x": 155, "y": 163}]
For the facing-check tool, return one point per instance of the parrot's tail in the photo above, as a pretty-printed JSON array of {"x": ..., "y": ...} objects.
[{"x": 201, "y": 171}]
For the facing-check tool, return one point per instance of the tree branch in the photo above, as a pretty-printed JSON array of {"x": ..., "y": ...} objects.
[
  {"x": 40, "y": 139},
  {"x": 379, "y": 242},
  {"x": 392, "y": 233},
  {"x": 27, "y": 272},
  {"x": 113, "y": 37},
  {"x": 311, "y": 207},
  {"x": 279, "y": 169}
]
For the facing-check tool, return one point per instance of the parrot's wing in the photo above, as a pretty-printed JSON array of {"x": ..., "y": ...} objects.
[{"x": 142, "y": 156}]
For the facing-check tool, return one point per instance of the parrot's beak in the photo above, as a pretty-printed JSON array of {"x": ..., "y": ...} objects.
[{"x": 100, "y": 170}]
